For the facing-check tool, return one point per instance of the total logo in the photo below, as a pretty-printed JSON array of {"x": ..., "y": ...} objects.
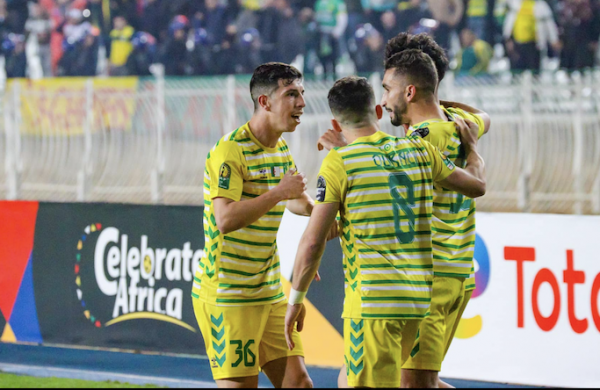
[
  {"x": 470, "y": 327},
  {"x": 141, "y": 282}
]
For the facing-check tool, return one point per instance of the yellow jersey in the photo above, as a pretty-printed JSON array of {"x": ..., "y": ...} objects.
[
  {"x": 384, "y": 186},
  {"x": 453, "y": 214},
  {"x": 242, "y": 268}
]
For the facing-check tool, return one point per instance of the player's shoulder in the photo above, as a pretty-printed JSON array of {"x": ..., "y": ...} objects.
[{"x": 231, "y": 144}]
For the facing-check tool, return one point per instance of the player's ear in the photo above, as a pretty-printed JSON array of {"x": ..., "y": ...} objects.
[
  {"x": 411, "y": 92},
  {"x": 379, "y": 111},
  {"x": 263, "y": 100},
  {"x": 336, "y": 125}
]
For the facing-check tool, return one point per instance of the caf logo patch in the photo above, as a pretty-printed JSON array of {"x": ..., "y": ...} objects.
[
  {"x": 321, "y": 188},
  {"x": 224, "y": 176},
  {"x": 422, "y": 132}
]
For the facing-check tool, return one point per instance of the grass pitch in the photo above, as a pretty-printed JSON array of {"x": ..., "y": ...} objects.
[{"x": 23, "y": 381}]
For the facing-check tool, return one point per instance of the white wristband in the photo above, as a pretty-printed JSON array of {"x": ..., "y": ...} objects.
[{"x": 296, "y": 297}]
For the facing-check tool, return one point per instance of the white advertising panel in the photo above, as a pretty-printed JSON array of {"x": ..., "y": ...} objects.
[{"x": 534, "y": 318}]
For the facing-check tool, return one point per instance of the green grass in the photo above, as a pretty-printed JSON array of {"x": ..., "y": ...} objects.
[{"x": 22, "y": 381}]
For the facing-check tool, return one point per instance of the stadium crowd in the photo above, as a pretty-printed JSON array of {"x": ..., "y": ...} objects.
[{"x": 210, "y": 37}]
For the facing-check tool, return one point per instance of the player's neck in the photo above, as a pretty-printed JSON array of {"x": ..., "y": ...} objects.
[
  {"x": 352, "y": 135},
  {"x": 425, "y": 111},
  {"x": 263, "y": 132}
]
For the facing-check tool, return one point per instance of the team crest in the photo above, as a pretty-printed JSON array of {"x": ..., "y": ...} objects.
[
  {"x": 321, "y": 188},
  {"x": 224, "y": 176}
]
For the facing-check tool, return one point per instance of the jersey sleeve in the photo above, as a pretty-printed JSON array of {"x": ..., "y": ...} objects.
[
  {"x": 472, "y": 117},
  {"x": 441, "y": 166},
  {"x": 226, "y": 167},
  {"x": 332, "y": 181}
]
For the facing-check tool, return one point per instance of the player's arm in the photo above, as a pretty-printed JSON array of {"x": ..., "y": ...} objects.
[
  {"x": 308, "y": 259},
  {"x": 469, "y": 181},
  {"x": 302, "y": 205},
  {"x": 485, "y": 117},
  {"x": 232, "y": 215}
]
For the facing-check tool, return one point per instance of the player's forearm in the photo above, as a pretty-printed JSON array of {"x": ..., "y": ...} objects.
[
  {"x": 301, "y": 206},
  {"x": 307, "y": 261},
  {"x": 237, "y": 215},
  {"x": 476, "y": 167}
]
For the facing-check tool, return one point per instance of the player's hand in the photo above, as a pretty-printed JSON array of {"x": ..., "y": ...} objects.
[
  {"x": 292, "y": 185},
  {"x": 468, "y": 132},
  {"x": 331, "y": 139},
  {"x": 295, "y": 314}
]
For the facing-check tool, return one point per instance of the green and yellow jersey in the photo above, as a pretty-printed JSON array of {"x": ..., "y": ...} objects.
[
  {"x": 384, "y": 186},
  {"x": 242, "y": 267},
  {"x": 453, "y": 213}
]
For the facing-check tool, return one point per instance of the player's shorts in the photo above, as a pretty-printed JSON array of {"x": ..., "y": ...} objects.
[
  {"x": 454, "y": 320},
  {"x": 374, "y": 350},
  {"x": 447, "y": 296},
  {"x": 241, "y": 339}
]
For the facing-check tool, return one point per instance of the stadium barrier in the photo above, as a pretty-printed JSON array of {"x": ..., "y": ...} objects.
[
  {"x": 144, "y": 140},
  {"x": 120, "y": 276}
]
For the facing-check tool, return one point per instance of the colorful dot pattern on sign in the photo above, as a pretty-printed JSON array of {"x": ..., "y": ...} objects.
[{"x": 93, "y": 228}]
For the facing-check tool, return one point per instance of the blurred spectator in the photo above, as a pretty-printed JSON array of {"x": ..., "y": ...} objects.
[
  {"x": 356, "y": 17},
  {"x": 18, "y": 12},
  {"x": 200, "y": 57},
  {"x": 120, "y": 42},
  {"x": 250, "y": 51},
  {"x": 476, "y": 15},
  {"x": 100, "y": 17},
  {"x": 528, "y": 29},
  {"x": 409, "y": 13},
  {"x": 375, "y": 8},
  {"x": 174, "y": 56},
  {"x": 332, "y": 20},
  {"x": 310, "y": 32},
  {"x": 80, "y": 58},
  {"x": 448, "y": 13},
  {"x": 74, "y": 27},
  {"x": 269, "y": 19},
  {"x": 143, "y": 54},
  {"x": 579, "y": 29},
  {"x": 474, "y": 57},
  {"x": 213, "y": 20},
  {"x": 155, "y": 19},
  {"x": 3, "y": 23},
  {"x": 13, "y": 47},
  {"x": 290, "y": 39},
  {"x": 39, "y": 27},
  {"x": 369, "y": 49},
  {"x": 226, "y": 54}
]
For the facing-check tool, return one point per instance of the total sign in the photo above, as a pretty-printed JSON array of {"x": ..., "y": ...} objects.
[{"x": 534, "y": 317}]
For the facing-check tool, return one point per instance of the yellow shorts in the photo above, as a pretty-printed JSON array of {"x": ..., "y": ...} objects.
[
  {"x": 454, "y": 320},
  {"x": 447, "y": 296},
  {"x": 241, "y": 339},
  {"x": 374, "y": 350}
]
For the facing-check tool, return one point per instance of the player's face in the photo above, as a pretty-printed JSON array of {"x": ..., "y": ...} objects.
[
  {"x": 393, "y": 99},
  {"x": 287, "y": 105}
]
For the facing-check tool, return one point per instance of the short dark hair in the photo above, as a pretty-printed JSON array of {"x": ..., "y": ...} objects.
[
  {"x": 423, "y": 42},
  {"x": 352, "y": 99},
  {"x": 417, "y": 67},
  {"x": 265, "y": 79}
]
